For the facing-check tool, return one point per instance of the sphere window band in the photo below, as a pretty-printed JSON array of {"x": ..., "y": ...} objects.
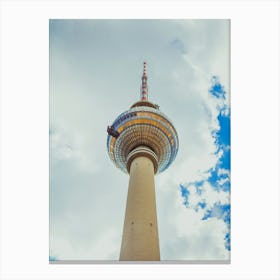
[
  {"x": 142, "y": 111},
  {"x": 149, "y": 115}
]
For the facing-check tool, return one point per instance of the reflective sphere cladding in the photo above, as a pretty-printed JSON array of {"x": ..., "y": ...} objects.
[{"x": 147, "y": 126}]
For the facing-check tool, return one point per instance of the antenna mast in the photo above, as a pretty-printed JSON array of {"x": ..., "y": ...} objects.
[{"x": 144, "y": 88}]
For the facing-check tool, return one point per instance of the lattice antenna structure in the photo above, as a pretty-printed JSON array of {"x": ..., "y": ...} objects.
[{"x": 144, "y": 88}]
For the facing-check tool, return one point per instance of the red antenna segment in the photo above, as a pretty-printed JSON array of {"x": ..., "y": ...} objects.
[{"x": 144, "y": 88}]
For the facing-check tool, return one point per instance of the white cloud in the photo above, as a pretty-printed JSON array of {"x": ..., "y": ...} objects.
[{"x": 187, "y": 237}]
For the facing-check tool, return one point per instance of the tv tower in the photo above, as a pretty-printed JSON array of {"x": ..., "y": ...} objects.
[{"x": 142, "y": 142}]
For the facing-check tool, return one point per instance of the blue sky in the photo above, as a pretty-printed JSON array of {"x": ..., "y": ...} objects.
[
  {"x": 95, "y": 74},
  {"x": 219, "y": 174}
]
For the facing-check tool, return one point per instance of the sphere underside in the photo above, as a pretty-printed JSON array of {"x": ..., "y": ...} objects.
[{"x": 143, "y": 126}]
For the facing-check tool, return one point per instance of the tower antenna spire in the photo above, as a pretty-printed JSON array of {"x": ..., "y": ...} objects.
[{"x": 144, "y": 88}]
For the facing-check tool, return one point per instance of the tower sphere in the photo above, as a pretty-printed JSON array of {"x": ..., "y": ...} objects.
[{"x": 143, "y": 125}]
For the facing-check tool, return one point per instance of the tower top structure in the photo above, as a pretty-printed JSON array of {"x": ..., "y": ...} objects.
[{"x": 146, "y": 126}]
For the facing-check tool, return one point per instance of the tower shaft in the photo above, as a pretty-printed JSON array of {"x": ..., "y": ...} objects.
[{"x": 140, "y": 240}]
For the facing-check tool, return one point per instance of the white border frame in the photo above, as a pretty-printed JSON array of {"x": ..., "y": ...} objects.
[{"x": 255, "y": 137}]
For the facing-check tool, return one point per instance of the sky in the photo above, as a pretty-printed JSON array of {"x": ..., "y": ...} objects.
[{"x": 95, "y": 75}]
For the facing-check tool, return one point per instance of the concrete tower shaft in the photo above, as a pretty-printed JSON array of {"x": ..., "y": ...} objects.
[{"x": 140, "y": 240}]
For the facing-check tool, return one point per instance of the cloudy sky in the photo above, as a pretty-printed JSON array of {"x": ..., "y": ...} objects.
[{"x": 95, "y": 74}]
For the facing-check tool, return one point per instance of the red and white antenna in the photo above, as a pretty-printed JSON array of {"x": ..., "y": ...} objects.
[{"x": 144, "y": 88}]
